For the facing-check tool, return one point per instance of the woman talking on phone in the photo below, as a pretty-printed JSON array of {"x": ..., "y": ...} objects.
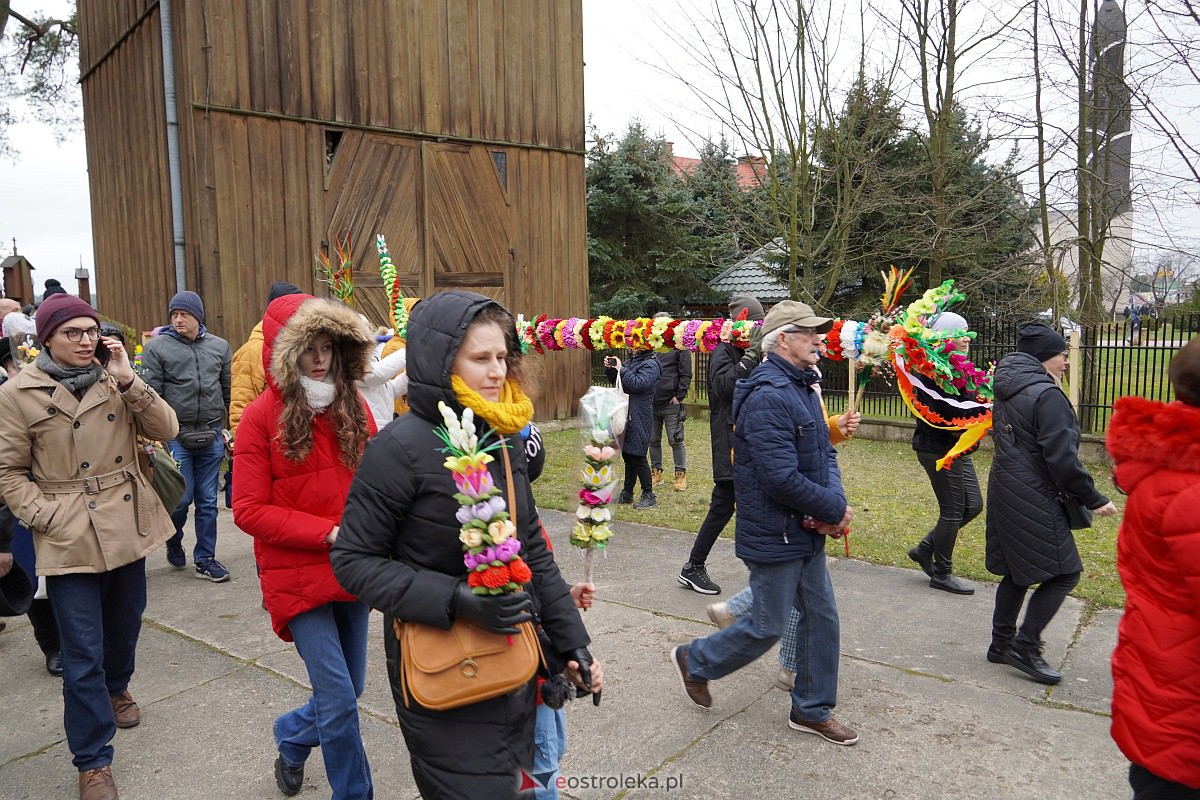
[{"x": 70, "y": 422}]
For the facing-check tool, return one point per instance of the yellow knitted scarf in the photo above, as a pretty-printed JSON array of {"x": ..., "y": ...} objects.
[{"x": 509, "y": 415}]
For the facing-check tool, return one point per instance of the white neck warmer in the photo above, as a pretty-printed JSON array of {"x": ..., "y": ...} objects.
[{"x": 320, "y": 393}]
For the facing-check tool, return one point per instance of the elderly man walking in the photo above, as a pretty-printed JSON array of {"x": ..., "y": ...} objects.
[
  {"x": 189, "y": 367},
  {"x": 789, "y": 498}
]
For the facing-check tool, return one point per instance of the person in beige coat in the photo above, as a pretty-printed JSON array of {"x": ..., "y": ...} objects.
[{"x": 69, "y": 472}]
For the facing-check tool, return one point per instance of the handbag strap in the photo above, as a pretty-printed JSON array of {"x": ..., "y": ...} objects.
[{"x": 512, "y": 495}]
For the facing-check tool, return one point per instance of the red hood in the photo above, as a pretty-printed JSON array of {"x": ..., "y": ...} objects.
[
  {"x": 1146, "y": 435},
  {"x": 276, "y": 317}
]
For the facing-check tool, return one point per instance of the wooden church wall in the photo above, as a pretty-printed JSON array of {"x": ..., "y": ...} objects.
[{"x": 454, "y": 127}]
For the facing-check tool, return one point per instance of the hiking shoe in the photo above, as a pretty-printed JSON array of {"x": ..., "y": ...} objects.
[
  {"x": 680, "y": 480},
  {"x": 830, "y": 730},
  {"x": 695, "y": 577},
  {"x": 1029, "y": 660},
  {"x": 625, "y": 498},
  {"x": 656, "y": 476},
  {"x": 719, "y": 614},
  {"x": 288, "y": 779},
  {"x": 695, "y": 688},
  {"x": 924, "y": 559},
  {"x": 213, "y": 571},
  {"x": 125, "y": 710},
  {"x": 648, "y": 500},
  {"x": 785, "y": 679},
  {"x": 97, "y": 784},
  {"x": 175, "y": 555}
]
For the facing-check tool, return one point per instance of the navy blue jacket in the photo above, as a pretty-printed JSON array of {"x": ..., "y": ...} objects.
[
  {"x": 783, "y": 466},
  {"x": 639, "y": 375}
]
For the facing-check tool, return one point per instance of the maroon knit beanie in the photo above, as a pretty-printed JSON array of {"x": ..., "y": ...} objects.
[{"x": 56, "y": 310}]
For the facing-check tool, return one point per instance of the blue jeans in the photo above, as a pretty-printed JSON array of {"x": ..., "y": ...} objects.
[
  {"x": 200, "y": 469},
  {"x": 332, "y": 640},
  {"x": 740, "y": 605},
  {"x": 670, "y": 415},
  {"x": 549, "y": 745},
  {"x": 803, "y": 584},
  {"x": 99, "y": 616}
]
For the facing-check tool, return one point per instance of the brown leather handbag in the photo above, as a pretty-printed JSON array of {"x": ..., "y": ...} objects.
[{"x": 445, "y": 669}]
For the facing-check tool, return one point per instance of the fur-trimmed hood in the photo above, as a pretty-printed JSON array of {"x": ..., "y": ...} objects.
[
  {"x": 1146, "y": 435},
  {"x": 292, "y": 320}
]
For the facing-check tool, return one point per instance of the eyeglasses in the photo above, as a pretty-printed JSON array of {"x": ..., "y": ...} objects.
[
  {"x": 800, "y": 330},
  {"x": 76, "y": 335}
]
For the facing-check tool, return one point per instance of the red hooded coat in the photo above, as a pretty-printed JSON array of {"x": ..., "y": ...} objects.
[
  {"x": 289, "y": 508},
  {"x": 1156, "y": 664}
]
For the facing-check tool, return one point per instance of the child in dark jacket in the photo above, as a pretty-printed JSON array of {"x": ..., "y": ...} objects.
[{"x": 638, "y": 378}]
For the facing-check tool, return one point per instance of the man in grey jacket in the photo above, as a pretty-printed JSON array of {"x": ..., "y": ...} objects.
[{"x": 189, "y": 368}]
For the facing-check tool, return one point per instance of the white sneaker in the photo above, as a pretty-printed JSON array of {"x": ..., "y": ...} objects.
[{"x": 719, "y": 614}]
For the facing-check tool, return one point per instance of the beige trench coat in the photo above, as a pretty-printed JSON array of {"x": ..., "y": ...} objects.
[{"x": 89, "y": 507}]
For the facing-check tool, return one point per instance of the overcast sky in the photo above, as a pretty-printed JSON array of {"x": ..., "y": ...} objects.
[
  {"x": 45, "y": 201},
  {"x": 45, "y": 205}
]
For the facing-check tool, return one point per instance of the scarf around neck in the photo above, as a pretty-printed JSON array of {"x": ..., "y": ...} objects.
[
  {"x": 76, "y": 379},
  {"x": 320, "y": 393},
  {"x": 509, "y": 415}
]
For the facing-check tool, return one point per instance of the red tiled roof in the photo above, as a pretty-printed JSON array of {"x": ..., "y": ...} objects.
[{"x": 751, "y": 170}]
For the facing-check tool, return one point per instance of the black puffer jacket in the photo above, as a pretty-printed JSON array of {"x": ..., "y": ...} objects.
[
  {"x": 398, "y": 551},
  {"x": 725, "y": 368},
  {"x": 1037, "y": 459}
]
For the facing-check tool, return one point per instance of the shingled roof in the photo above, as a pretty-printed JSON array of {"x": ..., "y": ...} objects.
[{"x": 752, "y": 275}]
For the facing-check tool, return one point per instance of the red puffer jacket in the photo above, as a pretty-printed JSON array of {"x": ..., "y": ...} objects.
[
  {"x": 1156, "y": 665},
  {"x": 288, "y": 507}
]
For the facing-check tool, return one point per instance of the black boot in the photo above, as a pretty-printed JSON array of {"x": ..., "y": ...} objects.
[
  {"x": 1029, "y": 660},
  {"x": 625, "y": 498},
  {"x": 923, "y": 555},
  {"x": 943, "y": 579}
]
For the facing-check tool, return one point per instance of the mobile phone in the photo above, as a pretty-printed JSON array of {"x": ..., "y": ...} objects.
[{"x": 102, "y": 353}]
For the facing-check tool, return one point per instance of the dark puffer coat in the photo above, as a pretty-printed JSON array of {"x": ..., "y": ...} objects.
[
  {"x": 784, "y": 466},
  {"x": 725, "y": 369},
  {"x": 1037, "y": 460},
  {"x": 398, "y": 551},
  {"x": 639, "y": 375}
]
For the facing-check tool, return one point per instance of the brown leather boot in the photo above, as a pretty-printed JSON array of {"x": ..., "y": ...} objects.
[
  {"x": 680, "y": 480},
  {"x": 125, "y": 710},
  {"x": 97, "y": 784},
  {"x": 656, "y": 476}
]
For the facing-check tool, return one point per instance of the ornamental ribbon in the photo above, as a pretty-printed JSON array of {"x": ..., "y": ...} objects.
[{"x": 488, "y": 535}]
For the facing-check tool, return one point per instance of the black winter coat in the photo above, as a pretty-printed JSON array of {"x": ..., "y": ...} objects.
[
  {"x": 1036, "y": 435},
  {"x": 639, "y": 374},
  {"x": 725, "y": 368},
  {"x": 399, "y": 549},
  {"x": 675, "y": 378}
]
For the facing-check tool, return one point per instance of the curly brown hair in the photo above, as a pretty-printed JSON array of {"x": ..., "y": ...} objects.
[{"x": 347, "y": 418}]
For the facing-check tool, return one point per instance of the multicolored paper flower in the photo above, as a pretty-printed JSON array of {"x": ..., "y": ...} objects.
[{"x": 487, "y": 533}]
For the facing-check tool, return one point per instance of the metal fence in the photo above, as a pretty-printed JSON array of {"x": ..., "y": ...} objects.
[{"x": 1114, "y": 359}]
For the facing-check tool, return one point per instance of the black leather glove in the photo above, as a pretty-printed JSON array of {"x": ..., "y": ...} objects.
[
  {"x": 500, "y": 613},
  {"x": 581, "y": 656}
]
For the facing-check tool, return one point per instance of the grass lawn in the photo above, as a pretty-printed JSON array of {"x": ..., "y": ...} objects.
[{"x": 891, "y": 496}]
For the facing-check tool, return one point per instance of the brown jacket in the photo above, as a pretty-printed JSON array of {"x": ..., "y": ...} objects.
[{"x": 63, "y": 443}]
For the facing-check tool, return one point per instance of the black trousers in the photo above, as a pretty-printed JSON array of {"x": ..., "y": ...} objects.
[
  {"x": 959, "y": 501},
  {"x": 720, "y": 511},
  {"x": 1044, "y": 603},
  {"x": 637, "y": 469},
  {"x": 1148, "y": 786}
]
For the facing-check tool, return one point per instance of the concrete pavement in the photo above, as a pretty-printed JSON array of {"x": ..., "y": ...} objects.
[{"x": 936, "y": 720}]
